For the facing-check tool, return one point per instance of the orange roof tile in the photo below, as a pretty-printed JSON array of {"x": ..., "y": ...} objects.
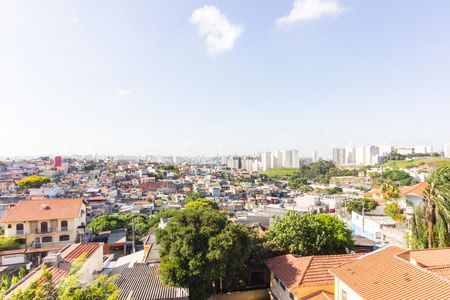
[
  {"x": 416, "y": 189},
  {"x": 295, "y": 271},
  {"x": 32, "y": 210},
  {"x": 387, "y": 274},
  {"x": 319, "y": 295},
  {"x": 76, "y": 250}
]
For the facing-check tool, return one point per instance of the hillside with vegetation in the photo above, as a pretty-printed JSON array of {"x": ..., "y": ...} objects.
[{"x": 425, "y": 163}]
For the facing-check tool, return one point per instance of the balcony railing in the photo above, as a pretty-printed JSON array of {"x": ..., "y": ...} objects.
[
  {"x": 50, "y": 230},
  {"x": 43, "y": 230},
  {"x": 20, "y": 232}
]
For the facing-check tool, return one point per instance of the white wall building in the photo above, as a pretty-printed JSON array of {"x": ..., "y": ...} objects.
[{"x": 447, "y": 150}]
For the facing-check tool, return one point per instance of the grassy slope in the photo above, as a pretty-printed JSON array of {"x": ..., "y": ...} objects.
[
  {"x": 433, "y": 162},
  {"x": 284, "y": 173}
]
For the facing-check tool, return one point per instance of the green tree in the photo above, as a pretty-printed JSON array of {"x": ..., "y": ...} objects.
[
  {"x": 164, "y": 213},
  {"x": 107, "y": 222},
  {"x": 34, "y": 181},
  {"x": 198, "y": 246},
  {"x": 390, "y": 191},
  {"x": 8, "y": 243},
  {"x": 431, "y": 220},
  {"x": 308, "y": 234},
  {"x": 202, "y": 202},
  {"x": 192, "y": 196},
  {"x": 356, "y": 205},
  {"x": 229, "y": 250},
  {"x": 393, "y": 210},
  {"x": 141, "y": 225},
  {"x": 102, "y": 288}
]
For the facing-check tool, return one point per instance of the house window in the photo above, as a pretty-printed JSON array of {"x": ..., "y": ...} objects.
[
  {"x": 64, "y": 225},
  {"x": 19, "y": 228},
  {"x": 21, "y": 241},
  {"x": 47, "y": 239},
  {"x": 282, "y": 286},
  {"x": 276, "y": 278},
  {"x": 343, "y": 295},
  {"x": 44, "y": 227},
  {"x": 63, "y": 238},
  {"x": 9, "y": 226},
  {"x": 291, "y": 296}
]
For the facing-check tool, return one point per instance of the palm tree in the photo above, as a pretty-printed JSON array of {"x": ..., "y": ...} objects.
[{"x": 432, "y": 219}]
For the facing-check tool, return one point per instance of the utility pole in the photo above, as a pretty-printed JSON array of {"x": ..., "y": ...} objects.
[
  {"x": 132, "y": 231},
  {"x": 362, "y": 215}
]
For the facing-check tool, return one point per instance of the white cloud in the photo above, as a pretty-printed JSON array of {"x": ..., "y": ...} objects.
[
  {"x": 219, "y": 34},
  {"x": 122, "y": 92},
  {"x": 307, "y": 10}
]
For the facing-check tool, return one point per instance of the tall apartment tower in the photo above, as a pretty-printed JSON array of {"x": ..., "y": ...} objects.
[
  {"x": 447, "y": 150},
  {"x": 315, "y": 156},
  {"x": 339, "y": 156}
]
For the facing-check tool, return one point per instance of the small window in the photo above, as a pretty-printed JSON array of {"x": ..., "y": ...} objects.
[
  {"x": 343, "y": 295},
  {"x": 21, "y": 241},
  {"x": 9, "y": 226},
  {"x": 47, "y": 239},
  {"x": 276, "y": 278},
  {"x": 282, "y": 286},
  {"x": 63, "y": 238},
  {"x": 291, "y": 296}
]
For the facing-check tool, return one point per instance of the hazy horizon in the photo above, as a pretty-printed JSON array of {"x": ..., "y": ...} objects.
[{"x": 190, "y": 78}]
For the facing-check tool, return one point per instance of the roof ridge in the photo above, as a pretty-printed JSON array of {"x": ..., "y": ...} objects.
[
  {"x": 306, "y": 269},
  {"x": 421, "y": 269}
]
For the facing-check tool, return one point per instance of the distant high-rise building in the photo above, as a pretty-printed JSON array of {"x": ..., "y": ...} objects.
[
  {"x": 315, "y": 156},
  {"x": 372, "y": 154},
  {"x": 290, "y": 159},
  {"x": 404, "y": 150},
  {"x": 385, "y": 150},
  {"x": 423, "y": 149},
  {"x": 58, "y": 161},
  {"x": 339, "y": 156},
  {"x": 447, "y": 150},
  {"x": 350, "y": 156},
  {"x": 360, "y": 155},
  {"x": 266, "y": 161}
]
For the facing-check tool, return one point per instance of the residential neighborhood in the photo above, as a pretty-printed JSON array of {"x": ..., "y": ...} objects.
[{"x": 224, "y": 150}]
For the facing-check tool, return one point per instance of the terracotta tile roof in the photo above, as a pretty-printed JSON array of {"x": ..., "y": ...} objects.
[
  {"x": 68, "y": 255},
  {"x": 387, "y": 274},
  {"x": 295, "y": 271},
  {"x": 33, "y": 210},
  {"x": 416, "y": 189},
  {"x": 319, "y": 295},
  {"x": 431, "y": 258},
  {"x": 76, "y": 250}
]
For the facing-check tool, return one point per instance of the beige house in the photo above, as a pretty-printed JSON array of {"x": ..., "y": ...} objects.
[{"x": 46, "y": 222}]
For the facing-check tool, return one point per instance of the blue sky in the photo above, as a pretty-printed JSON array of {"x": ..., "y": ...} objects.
[{"x": 140, "y": 77}]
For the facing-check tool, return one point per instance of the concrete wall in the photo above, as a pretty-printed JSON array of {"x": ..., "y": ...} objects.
[
  {"x": 245, "y": 295},
  {"x": 340, "y": 287}
]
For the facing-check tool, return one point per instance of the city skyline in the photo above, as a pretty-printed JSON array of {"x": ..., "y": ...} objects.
[{"x": 216, "y": 77}]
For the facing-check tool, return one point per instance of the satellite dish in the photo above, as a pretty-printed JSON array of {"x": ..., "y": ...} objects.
[
  {"x": 347, "y": 250},
  {"x": 353, "y": 252}
]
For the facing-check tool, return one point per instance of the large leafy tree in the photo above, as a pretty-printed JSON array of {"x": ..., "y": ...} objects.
[
  {"x": 34, "y": 181},
  {"x": 431, "y": 220},
  {"x": 202, "y": 202},
  {"x": 308, "y": 234},
  {"x": 356, "y": 205},
  {"x": 141, "y": 224},
  {"x": 198, "y": 246}
]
